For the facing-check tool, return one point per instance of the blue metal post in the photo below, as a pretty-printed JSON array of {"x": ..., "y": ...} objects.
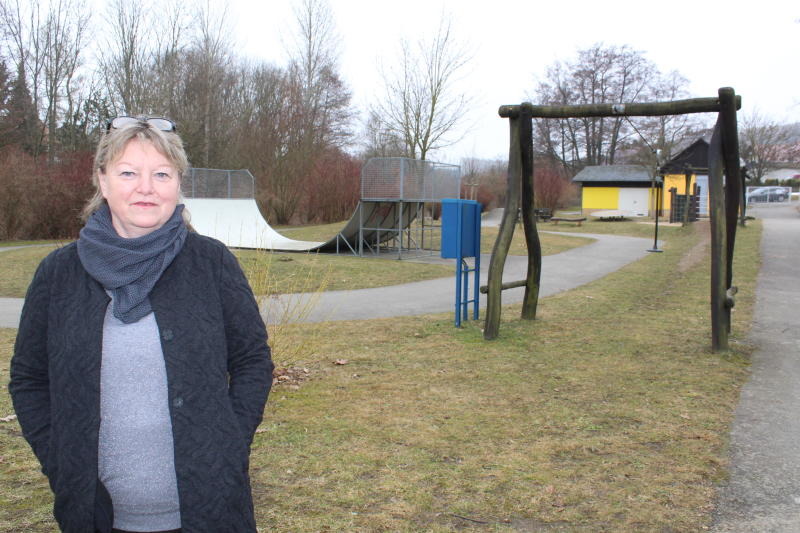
[
  {"x": 477, "y": 281},
  {"x": 465, "y": 301},
  {"x": 459, "y": 262}
]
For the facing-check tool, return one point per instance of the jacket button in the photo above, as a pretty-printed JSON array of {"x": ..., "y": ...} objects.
[
  {"x": 177, "y": 402},
  {"x": 167, "y": 334}
]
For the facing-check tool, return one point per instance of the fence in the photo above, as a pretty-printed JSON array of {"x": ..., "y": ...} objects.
[
  {"x": 409, "y": 180},
  {"x": 216, "y": 183}
]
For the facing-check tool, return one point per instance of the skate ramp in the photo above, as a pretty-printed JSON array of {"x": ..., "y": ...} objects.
[{"x": 238, "y": 223}]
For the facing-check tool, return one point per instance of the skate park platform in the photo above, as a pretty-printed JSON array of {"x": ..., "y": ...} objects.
[{"x": 394, "y": 193}]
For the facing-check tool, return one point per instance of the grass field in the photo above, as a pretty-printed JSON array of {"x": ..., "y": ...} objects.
[
  {"x": 6, "y": 244},
  {"x": 302, "y": 271},
  {"x": 607, "y": 413},
  {"x": 634, "y": 228}
]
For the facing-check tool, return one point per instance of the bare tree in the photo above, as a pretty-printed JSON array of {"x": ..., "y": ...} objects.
[
  {"x": 604, "y": 74},
  {"x": 22, "y": 30},
  {"x": 212, "y": 55},
  {"x": 421, "y": 104},
  {"x": 165, "y": 76},
  {"x": 63, "y": 42},
  {"x": 325, "y": 100},
  {"x": 764, "y": 144},
  {"x": 48, "y": 50},
  {"x": 124, "y": 55},
  {"x": 378, "y": 140},
  {"x": 7, "y": 122},
  {"x": 670, "y": 130},
  {"x": 313, "y": 115},
  {"x": 470, "y": 177}
]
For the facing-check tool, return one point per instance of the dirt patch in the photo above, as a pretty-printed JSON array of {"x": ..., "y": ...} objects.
[
  {"x": 291, "y": 377},
  {"x": 698, "y": 251}
]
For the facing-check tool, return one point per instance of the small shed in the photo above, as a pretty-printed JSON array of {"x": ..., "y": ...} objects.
[
  {"x": 624, "y": 188},
  {"x": 694, "y": 158}
]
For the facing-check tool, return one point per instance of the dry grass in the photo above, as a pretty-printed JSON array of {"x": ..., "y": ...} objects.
[
  {"x": 18, "y": 267},
  {"x": 335, "y": 272},
  {"x": 25, "y": 498},
  {"x": 314, "y": 233},
  {"x": 5, "y": 244},
  {"x": 608, "y": 413},
  {"x": 551, "y": 244},
  {"x": 635, "y": 228}
]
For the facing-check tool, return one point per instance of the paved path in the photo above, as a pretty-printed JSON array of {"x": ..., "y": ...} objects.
[
  {"x": 10, "y": 308},
  {"x": 559, "y": 272},
  {"x": 763, "y": 492},
  {"x": 493, "y": 217},
  {"x": 9, "y": 248}
]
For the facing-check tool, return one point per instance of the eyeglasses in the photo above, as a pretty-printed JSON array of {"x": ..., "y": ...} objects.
[{"x": 159, "y": 123}]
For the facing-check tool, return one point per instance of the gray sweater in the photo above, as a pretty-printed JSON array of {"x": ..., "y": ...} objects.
[{"x": 135, "y": 457}]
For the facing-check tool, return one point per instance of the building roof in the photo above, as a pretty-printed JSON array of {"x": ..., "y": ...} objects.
[
  {"x": 695, "y": 156},
  {"x": 606, "y": 173}
]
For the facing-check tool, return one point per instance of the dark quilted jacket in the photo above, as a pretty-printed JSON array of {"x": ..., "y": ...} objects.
[{"x": 219, "y": 374}]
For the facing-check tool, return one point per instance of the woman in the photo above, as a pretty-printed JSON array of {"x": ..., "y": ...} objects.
[{"x": 141, "y": 366}]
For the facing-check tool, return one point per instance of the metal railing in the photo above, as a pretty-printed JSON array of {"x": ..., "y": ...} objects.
[
  {"x": 218, "y": 183},
  {"x": 409, "y": 180}
]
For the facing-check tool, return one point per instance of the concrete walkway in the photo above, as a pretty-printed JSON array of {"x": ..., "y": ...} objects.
[
  {"x": 559, "y": 272},
  {"x": 763, "y": 491},
  {"x": 492, "y": 218},
  {"x": 10, "y": 308}
]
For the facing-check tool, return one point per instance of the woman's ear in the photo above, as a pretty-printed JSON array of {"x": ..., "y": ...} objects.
[{"x": 102, "y": 180}]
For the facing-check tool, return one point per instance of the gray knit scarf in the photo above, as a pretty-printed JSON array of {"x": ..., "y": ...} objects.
[{"x": 129, "y": 268}]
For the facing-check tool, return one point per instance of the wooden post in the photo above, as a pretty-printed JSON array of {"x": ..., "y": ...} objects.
[
  {"x": 687, "y": 174},
  {"x": 531, "y": 299},
  {"x": 719, "y": 263},
  {"x": 673, "y": 204},
  {"x": 503, "y": 243},
  {"x": 675, "y": 107},
  {"x": 742, "y": 202},
  {"x": 733, "y": 183}
]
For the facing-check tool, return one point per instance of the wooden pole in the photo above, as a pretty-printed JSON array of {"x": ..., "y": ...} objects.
[
  {"x": 719, "y": 264},
  {"x": 531, "y": 299},
  {"x": 687, "y": 174},
  {"x": 503, "y": 243},
  {"x": 742, "y": 202},
  {"x": 733, "y": 182},
  {"x": 675, "y": 107}
]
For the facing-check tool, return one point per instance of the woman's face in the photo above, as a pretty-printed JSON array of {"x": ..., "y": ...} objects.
[{"x": 141, "y": 187}]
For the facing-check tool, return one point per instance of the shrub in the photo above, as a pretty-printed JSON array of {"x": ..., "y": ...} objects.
[{"x": 40, "y": 200}]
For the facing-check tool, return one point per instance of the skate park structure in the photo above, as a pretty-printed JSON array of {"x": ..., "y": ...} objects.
[{"x": 394, "y": 194}]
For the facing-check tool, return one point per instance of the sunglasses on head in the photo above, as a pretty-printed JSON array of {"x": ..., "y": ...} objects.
[{"x": 159, "y": 123}]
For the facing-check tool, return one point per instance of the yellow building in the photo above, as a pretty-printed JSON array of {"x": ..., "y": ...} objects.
[
  {"x": 629, "y": 189},
  {"x": 694, "y": 161}
]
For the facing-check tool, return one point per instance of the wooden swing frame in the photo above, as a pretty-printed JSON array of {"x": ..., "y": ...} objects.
[{"x": 724, "y": 200}]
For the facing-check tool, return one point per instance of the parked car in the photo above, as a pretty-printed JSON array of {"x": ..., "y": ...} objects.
[{"x": 768, "y": 194}]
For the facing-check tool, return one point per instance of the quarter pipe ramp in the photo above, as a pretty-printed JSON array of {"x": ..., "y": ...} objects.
[{"x": 238, "y": 223}]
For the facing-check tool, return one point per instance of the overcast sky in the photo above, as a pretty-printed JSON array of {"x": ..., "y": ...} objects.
[{"x": 753, "y": 48}]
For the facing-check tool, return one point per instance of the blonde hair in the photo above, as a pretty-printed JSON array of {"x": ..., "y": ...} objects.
[{"x": 113, "y": 143}]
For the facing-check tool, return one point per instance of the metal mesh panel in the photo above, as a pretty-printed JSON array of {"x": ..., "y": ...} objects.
[
  {"x": 410, "y": 180},
  {"x": 217, "y": 183},
  {"x": 444, "y": 181}
]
